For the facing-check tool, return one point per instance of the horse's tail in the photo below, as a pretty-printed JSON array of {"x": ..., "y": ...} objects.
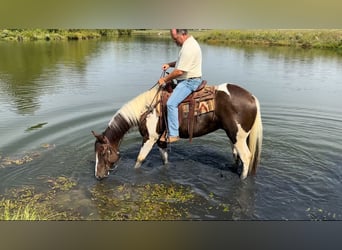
[{"x": 255, "y": 140}]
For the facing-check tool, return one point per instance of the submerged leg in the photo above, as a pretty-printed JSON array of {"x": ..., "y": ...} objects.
[{"x": 164, "y": 155}]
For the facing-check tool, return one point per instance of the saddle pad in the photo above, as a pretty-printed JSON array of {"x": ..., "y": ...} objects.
[{"x": 201, "y": 107}]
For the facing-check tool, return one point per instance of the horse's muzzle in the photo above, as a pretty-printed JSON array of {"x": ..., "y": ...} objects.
[{"x": 100, "y": 178}]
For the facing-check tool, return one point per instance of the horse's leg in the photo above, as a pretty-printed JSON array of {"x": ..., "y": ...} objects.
[
  {"x": 164, "y": 155},
  {"x": 145, "y": 149},
  {"x": 163, "y": 151},
  {"x": 235, "y": 154},
  {"x": 150, "y": 137},
  {"x": 243, "y": 151}
]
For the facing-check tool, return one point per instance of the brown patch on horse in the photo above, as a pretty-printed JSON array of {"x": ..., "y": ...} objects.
[
  {"x": 121, "y": 126},
  {"x": 243, "y": 101},
  {"x": 236, "y": 107}
]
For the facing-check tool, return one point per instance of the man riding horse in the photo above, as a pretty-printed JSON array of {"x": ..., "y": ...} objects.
[{"x": 230, "y": 107}]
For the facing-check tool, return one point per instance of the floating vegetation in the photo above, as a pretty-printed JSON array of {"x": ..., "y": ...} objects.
[
  {"x": 148, "y": 202},
  {"x": 319, "y": 214},
  {"x": 26, "y": 203},
  {"x": 62, "y": 201},
  {"x": 7, "y": 161},
  {"x": 124, "y": 202},
  {"x": 37, "y": 126},
  {"x": 61, "y": 183},
  {"x": 20, "y": 160}
]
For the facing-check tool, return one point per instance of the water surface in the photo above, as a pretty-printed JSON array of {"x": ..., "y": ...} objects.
[{"x": 54, "y": 93}]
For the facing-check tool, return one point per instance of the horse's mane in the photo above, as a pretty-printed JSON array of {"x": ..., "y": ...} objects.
[{"x": 132, "y": 110}]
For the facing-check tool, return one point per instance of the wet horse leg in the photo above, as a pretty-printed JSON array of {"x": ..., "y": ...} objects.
[
  {"x": 164, "y": 155},
  {"x": 150, "y": 137},
  {"x": 144, "y": 151}
]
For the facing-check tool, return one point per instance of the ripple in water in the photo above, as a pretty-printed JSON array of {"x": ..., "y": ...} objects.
[{"x": 298, "y": 178}]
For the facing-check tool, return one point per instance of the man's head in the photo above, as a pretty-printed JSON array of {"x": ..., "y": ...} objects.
[{"x": 179, "y": 36}]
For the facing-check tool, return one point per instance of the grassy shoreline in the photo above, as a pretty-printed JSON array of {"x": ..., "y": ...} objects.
[
  {"x": 318, "y": 39},
  {"x": 23, "y": 35}
]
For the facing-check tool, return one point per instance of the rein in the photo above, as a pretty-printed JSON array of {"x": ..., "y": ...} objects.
[{"x": 150, "y": 108}]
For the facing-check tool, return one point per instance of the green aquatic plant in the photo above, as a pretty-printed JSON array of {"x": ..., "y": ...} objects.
[
  {"x": 147, "y": 202},
  {"x": 37, "y": 126},
  {"x": 25, "y": 203},
  {"x": 320, "y": 214},
  {"x": 61, "y": 183},
  {"x": 6, "y": 161}
]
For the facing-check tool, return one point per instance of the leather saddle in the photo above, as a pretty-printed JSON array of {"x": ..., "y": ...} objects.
[{"x": 198, "y": 102}]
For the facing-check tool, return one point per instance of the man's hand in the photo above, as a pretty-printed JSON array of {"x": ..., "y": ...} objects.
[
  {"x": 161, "y": 82},
  {"x": 165, "y": 66}
]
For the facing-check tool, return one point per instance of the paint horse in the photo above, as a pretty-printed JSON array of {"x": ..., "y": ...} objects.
[{"x": 236, "y": 111}]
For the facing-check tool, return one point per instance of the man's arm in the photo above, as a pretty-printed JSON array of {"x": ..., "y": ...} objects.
[
  {"x": 169, "y": 65},
  {"x": 174, "y": 74}
]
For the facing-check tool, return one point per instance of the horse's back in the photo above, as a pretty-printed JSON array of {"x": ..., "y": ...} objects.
[{"x": 235, "y": 104}]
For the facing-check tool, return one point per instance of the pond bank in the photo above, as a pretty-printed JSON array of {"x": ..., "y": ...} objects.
[
  {"x": 318, "y": 39},
  {"x": 22, "y": 35}
]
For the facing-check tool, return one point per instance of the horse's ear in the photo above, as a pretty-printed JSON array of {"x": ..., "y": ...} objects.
[
  {"x": 101, "y": 138},
  {"x": 96, "y": 135}
]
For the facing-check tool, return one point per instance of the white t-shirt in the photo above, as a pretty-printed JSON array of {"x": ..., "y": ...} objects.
[{"x": 190, "y": 59}]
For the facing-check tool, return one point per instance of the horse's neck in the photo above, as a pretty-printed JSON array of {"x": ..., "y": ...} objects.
[
  {"x": 117, "y": 128},
  {"x": 129, "y": 115}
]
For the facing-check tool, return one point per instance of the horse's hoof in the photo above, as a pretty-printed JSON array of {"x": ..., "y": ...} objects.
[
  {"x": 243, "y": 176},
  {"x": 137, "y": 165}
]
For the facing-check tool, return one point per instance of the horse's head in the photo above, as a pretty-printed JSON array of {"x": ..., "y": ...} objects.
[{"x": 106, "y": 156}]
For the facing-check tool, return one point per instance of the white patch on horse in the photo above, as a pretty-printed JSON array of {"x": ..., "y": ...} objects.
[
  {"x": 151, "y": 125},
  {"x": 132, "y": 110},
  {"x": 223, "y": 87},
  {"x": 96, "y": 162},
  {"x": 242, "y": 149}
]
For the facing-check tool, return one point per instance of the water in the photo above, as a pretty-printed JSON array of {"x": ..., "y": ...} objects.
[{"x": 54, "y": 93}]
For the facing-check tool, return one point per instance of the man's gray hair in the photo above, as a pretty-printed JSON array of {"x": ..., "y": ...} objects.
[{"x": 182, "y": 31}]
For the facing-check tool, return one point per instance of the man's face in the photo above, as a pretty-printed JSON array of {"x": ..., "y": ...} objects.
[{"x": 177, "y": 38}]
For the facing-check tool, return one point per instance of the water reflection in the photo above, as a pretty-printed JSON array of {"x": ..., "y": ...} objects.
[{"x": 26, "y": 69}]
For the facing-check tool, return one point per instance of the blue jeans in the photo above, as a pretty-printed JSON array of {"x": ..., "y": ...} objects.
[{"x": 183, "y": 89}]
